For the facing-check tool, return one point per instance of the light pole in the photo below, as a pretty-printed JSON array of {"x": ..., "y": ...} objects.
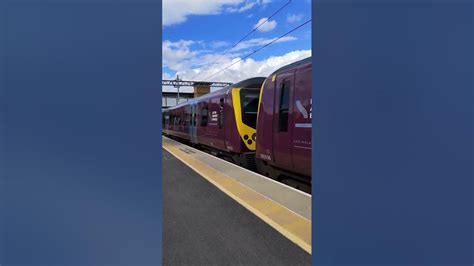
[{"x": 177, "y": 85}]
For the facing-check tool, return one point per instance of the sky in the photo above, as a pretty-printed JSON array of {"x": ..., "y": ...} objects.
[{"x": 197, "y": 34}]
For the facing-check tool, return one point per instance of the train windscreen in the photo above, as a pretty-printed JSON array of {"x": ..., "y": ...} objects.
[{"x": 249, "y": 103}]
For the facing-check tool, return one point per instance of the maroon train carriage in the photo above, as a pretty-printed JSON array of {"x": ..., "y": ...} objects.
[
  {"x": 284, "y": 125},
  {"x": 257, "y": 123},
  {"x": 222, "y": 122}
]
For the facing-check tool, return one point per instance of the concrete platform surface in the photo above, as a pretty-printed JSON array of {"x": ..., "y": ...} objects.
[
  {"x": 204, "y": 226},
  {"x": 282, "y": 207},
  {"x": 291, "y": 198}
]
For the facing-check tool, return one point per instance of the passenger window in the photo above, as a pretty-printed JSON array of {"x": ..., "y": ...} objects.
[
  {"x": 284, "y": 105},
  {"x": 204, "y": 114}
]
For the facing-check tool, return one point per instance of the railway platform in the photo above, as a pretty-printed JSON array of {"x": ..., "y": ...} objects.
[{"x": 217, "y": 213}]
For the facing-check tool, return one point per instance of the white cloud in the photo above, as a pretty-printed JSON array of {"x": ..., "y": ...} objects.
[
  {"x": 180, "y": 56},
  {"x": 241, "y": 9},
  {"x": 177, "y": 11},
  {"x": 267, "y": 26},
  {"x": 291, "y": 18},
  {"x": 176, "y": 54},
  {"x": 248, "y": 68},
  {"x": 244, "y": 69}
]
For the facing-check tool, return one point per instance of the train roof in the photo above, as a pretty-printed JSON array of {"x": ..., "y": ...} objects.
[
  {"x": 248, "y": 82},
  {"x": 293, "y": 65},
  {"x": 241, "y": 84}
]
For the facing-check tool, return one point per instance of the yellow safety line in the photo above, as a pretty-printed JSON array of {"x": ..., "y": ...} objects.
[{"x": 292, "y": 226}]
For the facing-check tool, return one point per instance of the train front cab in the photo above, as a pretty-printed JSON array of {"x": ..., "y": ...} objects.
[
  {"x": 227, "y": 124},
  {"x": 284, "y": 123},
  {"x": 245, "y": 105}
]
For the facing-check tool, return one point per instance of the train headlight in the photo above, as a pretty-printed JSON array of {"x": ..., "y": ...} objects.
[{"x": 254, "y": 137}]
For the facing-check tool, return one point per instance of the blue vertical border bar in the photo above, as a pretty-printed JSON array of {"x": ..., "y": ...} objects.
[
  {"x": 3, "y": 85},
  {"x": 80, "y": 124},
  {"x": 393, "y": 132}
]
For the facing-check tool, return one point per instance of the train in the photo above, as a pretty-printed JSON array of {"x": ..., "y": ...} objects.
[{"x": 263, "y": 124}]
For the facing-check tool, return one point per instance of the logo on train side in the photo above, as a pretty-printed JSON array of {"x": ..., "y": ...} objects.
[
  {"x": 303, "y": 110},
  {"x": 304, "y": 113},
  {"x": 214, "y": 116}
]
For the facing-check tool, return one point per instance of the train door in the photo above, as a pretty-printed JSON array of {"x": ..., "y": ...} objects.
[
  {"x": 221, "y": 122},
  {"x": 187, "y": 122},
  {"x": 301, "y": 147},
  {"x": 231, "y": 138},
  {"x": 282, "y": 119},
  {"x": 192, "y": 124}
]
